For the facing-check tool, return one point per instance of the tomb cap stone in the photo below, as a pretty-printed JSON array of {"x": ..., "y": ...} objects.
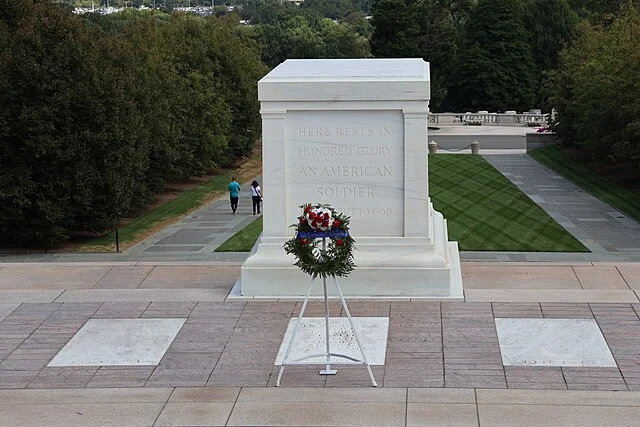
[{"x": 347, "y": 80}]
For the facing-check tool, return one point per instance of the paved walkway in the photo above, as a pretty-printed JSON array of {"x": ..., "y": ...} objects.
[
  {"x": 597, "y": 225},
  {"x": 196, "y": 236},
  {"x": 318, "y": 407}
]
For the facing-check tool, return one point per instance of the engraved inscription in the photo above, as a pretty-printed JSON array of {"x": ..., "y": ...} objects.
[
  {"x": 346, "y": 192},
  {"x": 343, "y": 150},
  {"x": 352, "y": 131},
  {"x": 353, "y": 160},
  {"x": 344, "y": 171}
]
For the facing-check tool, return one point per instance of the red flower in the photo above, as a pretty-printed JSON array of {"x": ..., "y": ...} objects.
[
  {"x": 305, "y": 241},
  {"x": 312, "y": 215},
  {"x": 339, "y": 242},
  {"x": 301, "y": 220},
  {"x": 336, "y": 223},
  {"x": 307, "y": 209}
]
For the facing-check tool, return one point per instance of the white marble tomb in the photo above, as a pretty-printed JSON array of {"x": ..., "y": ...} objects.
[{"x": 352, "y": 133}]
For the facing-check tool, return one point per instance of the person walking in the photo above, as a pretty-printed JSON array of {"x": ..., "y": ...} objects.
[
  {"x": 256, "y": 196},
  {"x": 234, "y": 190}
]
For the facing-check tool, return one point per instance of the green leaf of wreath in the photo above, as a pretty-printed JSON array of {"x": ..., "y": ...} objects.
[{"x": 335, "y": 260}]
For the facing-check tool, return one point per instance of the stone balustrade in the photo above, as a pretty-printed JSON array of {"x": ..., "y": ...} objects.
[{"x": 510, "y": 118}]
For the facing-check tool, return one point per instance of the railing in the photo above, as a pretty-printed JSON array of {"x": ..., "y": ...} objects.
[{"x": 491, "y": 119}]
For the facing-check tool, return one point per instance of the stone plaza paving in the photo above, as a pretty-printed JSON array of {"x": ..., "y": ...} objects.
[{"x": 443, "y": 365}]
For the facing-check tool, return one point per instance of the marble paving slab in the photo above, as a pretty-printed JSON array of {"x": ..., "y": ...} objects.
[
  {"x": 552, "y": 342},
  {"x": 310, "y": 339},
  {"x": 6, "y": 309},
  {"x": 112, "y": 342}
]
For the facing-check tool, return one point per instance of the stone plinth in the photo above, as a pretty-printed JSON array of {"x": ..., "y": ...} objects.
[{"x": 352, "y": 133}]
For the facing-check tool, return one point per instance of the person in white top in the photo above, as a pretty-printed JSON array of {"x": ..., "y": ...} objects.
[{"x": 256, "y": 196}]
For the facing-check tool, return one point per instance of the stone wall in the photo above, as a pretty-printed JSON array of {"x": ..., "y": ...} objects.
[{"x": 540, "y": 140}]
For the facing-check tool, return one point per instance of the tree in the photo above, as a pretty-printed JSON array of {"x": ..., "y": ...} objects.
[
  {"x": 96, "y": 115},
  {"x": 394, "y": 30},
  {"x": 430, "y": 29},
  {"x": 549, "y": 24},
  {"x": 333, "y": 9},
  {"x": 440, "y": 24},
  {"x": 341, "y": 41},
  {"x": 309, "y": 36},
  {"x": 598, "y": 11},
  {"x": 596, "y": 90},
  {"x": 495, "y": 69},
  {"x": 47, "y": 103}
]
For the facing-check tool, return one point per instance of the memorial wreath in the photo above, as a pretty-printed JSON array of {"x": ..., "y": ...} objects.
[{"x": 317, "y": 222}]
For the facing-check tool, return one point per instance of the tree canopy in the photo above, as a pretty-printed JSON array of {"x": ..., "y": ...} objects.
[
  {"x": 495, "y": 69},
  {"x": 285, "y": 31},
  {"x": 428, "y": 29},
  {"x": 97, "y": 115},
  {"x": 596, "y": 89}
]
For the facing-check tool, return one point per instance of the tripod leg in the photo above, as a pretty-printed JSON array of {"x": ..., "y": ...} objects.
[
  {"x": 355, "y": 333},
  {"x": 295, "y": 330},
  {"x": 327, "y": 367}
]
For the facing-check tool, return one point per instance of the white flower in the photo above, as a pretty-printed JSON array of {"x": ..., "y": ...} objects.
[{"x": 320, "y": 218}]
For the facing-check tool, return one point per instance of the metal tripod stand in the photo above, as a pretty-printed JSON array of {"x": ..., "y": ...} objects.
[{"x": 327, "y": 354}]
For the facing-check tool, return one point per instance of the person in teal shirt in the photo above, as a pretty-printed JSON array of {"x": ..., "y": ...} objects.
[{"x": 234, "y": 190}]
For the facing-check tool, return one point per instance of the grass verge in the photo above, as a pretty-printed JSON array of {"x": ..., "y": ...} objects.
[
  {"x": 484, "y": 211},
  {"x": 243, "y": 240},
  {"x": 171, "y": 211},
  {"x": 624, "y": 200}
]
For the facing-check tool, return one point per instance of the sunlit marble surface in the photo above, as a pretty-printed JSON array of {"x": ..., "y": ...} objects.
[
  {"x": 105, "y": 342},
  {"x": 553, "y": 342},
  {"x": 310, "y": 339}
]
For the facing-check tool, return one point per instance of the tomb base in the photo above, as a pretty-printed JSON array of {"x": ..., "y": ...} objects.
[{"x": 386, "y": 267}]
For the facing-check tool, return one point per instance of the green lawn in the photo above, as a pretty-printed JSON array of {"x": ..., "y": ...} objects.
[
  {"x": 484, "y": 211},
  {"x": 582, "y": 175},
  {"x": 243, "y": 240}
]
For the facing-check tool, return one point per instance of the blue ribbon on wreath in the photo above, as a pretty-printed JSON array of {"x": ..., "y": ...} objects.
[{"x": 321, "y": 234}]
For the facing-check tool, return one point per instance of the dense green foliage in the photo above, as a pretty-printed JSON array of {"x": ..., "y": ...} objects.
[
  {"x": 597, "y": 92},
  {"x": 500, "y": 55},
  {"x": 429, "y": 29},
  {"x": 98, "y": 112},
  {"x": 495, "y": 70},
  {"x": 484, "y": 55},
  {"x": 620, "y": 198},
  {"x": 257, "y": 10},
  {"x": 286, "y": 31},
  {"x": 484, "y": 211},
  {"x": 549, "y": 25},
  {"x": 96, "y": 116}
]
